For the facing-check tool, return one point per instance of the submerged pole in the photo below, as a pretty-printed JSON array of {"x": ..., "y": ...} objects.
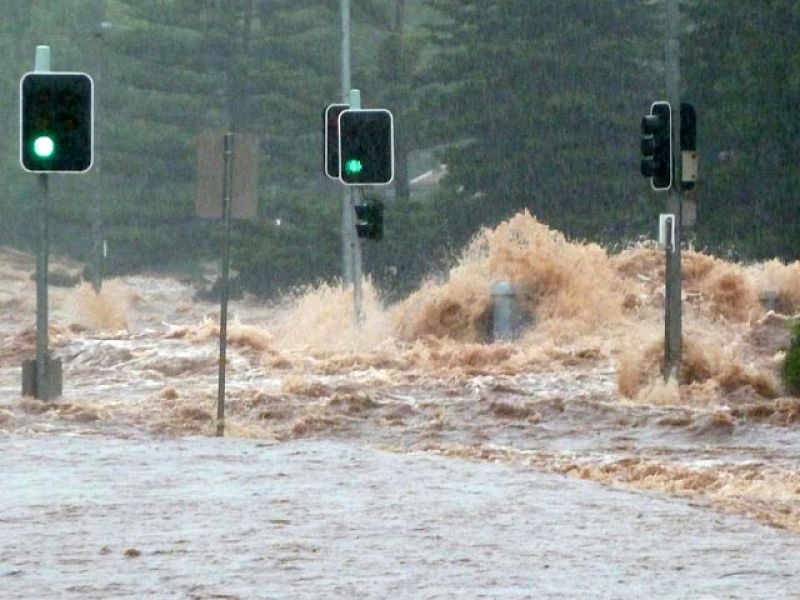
[
  {"x": 223, "y": 311},
  {"x": 42, "y": 353},
  {"x": 673, "y": 312}
]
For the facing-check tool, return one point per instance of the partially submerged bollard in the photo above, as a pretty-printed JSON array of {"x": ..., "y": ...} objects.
[
  {"x": 768, "y": 300},
  {"x": 54, "y": 384},
  {"x": 506, "y": 318}
]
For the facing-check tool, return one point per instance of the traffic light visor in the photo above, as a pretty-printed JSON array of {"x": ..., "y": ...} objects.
[{"x": 331, "y": 135}]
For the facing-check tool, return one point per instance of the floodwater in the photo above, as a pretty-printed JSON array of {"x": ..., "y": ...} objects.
[
  {"x": 567, "y": 443},
  {"x": 98, "y": 517}
]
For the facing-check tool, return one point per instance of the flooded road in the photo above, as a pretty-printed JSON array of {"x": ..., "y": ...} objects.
[
  {"x": 564, "y": 444},
  {"x": 98, "y": 517}
]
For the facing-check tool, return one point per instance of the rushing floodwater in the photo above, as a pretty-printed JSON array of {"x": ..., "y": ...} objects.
[
  {"x": 416, "y": 399},
  {"x": 208, "y": 518}
]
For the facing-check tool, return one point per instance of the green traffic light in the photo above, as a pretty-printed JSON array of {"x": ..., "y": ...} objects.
[
  {"x": 353, "y": 166},
  {"x": 43, "y": 146}
]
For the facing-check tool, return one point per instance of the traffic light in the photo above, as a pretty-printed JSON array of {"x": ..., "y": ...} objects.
[
  {"x": 56, "y": 122},
  {"x": 369, "y": 219},
  {"x": 657, "y": 146},
  {"x": 366, "y": 147},
  {"x": 331, "y": 135}
]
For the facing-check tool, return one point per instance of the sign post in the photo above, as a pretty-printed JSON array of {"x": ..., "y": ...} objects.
[{"x": 226, "y": 259}]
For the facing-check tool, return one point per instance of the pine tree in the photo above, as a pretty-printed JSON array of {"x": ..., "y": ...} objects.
[
  {"x": 744, "y": 77},
  {"x": 540, "y": 103}
]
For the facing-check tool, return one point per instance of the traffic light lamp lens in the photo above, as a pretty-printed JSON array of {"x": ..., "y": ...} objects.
[
  {"x": 44, "y": 146},
  {"x": 353, "y": 166}
]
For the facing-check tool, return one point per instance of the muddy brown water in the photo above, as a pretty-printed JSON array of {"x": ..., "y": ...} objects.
[{"x": 99, "y": 517}]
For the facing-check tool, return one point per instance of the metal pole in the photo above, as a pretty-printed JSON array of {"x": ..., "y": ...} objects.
[
  {"x": 357, "y": 274},
  {"x": 42, "y": 354},
  {"x": 672, "y": 321},
  {"x": 348, "y": 220},
  {"x": 100, "y": 26},
  {"x": 223, "y": 313}
]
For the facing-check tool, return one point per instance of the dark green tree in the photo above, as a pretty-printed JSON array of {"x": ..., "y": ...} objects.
[
  {"x": 742, "y": 73},
  {"x": 540, "y": 104}
]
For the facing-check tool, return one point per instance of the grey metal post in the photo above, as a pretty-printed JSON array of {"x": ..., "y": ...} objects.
[
  {"x": 42, "y": 354},
  {"x": 355, "y": 103},
  {"x": 357, "y": 271},
  {"x": 348, "y": 220},
  {"x": 101, "y": 26},
  {"x": 672, "y": 320},
  {"x": 223, "y": 312}
]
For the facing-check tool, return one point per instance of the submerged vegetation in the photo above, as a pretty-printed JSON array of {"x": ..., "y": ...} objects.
[{"x": 791, "y": 364}]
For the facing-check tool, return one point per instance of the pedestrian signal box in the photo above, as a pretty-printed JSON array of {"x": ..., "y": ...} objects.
[
  {"x": 369, "y": 219},
  {"x": 366, "y": 147}
]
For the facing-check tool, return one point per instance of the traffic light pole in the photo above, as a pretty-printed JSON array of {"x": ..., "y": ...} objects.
[
  {"x": 42, "y": 354},
  {"x": 42, "y": 65},
  {"x": 672, "y": 304}
]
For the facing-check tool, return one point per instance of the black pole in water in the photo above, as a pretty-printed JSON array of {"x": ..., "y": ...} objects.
[{"x": 223, "y": 313}]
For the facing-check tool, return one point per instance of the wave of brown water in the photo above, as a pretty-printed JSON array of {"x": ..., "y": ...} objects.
[{"x": 580, "y": 393}]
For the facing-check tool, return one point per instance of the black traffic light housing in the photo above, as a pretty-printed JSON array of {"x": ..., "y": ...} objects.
[
  {"x": 657, "y": 146},
  {"x": 688, "y": 146},
  {"x": 56, "y": 122},
  {"x": 366, "y": 147},
  {"x": 331, "y": 137},
  {"x": 369, "y": 219}
]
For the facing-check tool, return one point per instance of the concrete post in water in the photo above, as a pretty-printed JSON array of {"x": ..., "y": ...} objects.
[{"x": 505, "y": 313}]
